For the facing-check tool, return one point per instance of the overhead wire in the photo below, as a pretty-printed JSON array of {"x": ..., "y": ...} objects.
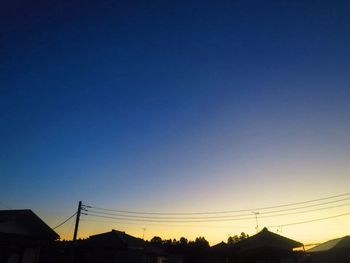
[
  {"x": 309, "y": 221},
  {"x": 217, "y": 212},
  {"x": 265, "y": 212},
  {"x": 161, "y": 221},
  {"x": 199, "y": 220},
  {"x": 270, "y": 226},
  {"x": 245, "y": 216},
  {"x": 69, "y": 230},
  {"x": 163, "y": 225},
  {"x": 65, "y": 221}
]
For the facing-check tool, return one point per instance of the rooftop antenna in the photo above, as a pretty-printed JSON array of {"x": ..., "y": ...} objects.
[
  {"x": 143, "y": 234},
  {"x": 256, "y": 220}
]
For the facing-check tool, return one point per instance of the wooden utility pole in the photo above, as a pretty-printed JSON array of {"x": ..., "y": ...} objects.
[{"x": 77, "y": 222}]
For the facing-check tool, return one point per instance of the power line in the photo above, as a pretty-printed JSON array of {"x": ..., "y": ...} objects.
[
  {"x": 290, "y": 209},
  {"x": 218, "y": 212},
  {"x": 309, "y": 221},
  {"x": 242, "y": 217},
  {"x": 198, "y": 219},
  {"x": 156, "y": 219},
  {"x": 271, "y": 226},
  {"x": 69, "y": 230},
  {"x": 307, "y": 206},
  {"x": 307, "y": 211},
  {"x": 163, "y": 225},
  {"x": 64, "y": 221},
  {"x": 161, "y": 221}
]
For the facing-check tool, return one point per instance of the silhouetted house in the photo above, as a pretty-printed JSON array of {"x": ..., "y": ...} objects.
[
  {"x": 219, "y": 247},
  {"x": 219, "y": 253},
  {"x": 265, "y": 247},
  {"x": 22, "y": 234},
  {"x": 119, "y": 247},
  {"x": 335, "y": 250}
]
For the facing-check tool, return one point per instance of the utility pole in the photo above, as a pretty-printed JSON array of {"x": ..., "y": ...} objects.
[
  {"x": 256, "y": 221},
  {"x": 77, "y": 223}
]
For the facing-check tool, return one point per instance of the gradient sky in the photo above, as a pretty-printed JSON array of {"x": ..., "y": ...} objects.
[{"x": 175, "y": 106}]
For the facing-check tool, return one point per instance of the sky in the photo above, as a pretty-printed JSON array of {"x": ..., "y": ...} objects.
[{"x": 175, "y": 106}]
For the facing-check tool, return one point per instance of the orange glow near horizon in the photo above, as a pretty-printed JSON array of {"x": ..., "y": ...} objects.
[
  {"x": 215, "y": 232},
  {"x": 261, "y": 186}
]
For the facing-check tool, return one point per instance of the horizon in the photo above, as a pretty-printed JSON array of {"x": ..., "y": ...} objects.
[
  {"x": 321, "y": 204},
  {"x": 184, "y": 107}
]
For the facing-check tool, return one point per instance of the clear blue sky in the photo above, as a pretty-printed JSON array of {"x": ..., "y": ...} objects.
[{"x": 173, "y": 106}]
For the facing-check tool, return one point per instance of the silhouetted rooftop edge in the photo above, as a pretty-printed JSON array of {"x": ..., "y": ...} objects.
[
  {"x": 265, "y": 238},
  {"x": 333, "y": 244},
  {"x": 28, "y": 218}
]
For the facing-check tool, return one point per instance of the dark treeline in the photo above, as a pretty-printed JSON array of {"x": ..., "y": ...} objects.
[
  {"x": 182, "y": 243},
  {"x": 236, "y": 238},
  {"x": 197, "y": 250},
  {"x": 185, "y": 245},
  {"x": 199, "y": 242},
  {"x": 192, "y": 250}
]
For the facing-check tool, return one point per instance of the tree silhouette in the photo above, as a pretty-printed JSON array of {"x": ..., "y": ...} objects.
[
  {"x": 236, "y": 238},
  {"x": 156, "y": 240},
  {"x": 183, "y": 241},
  {"x": 200, "y": 242}
]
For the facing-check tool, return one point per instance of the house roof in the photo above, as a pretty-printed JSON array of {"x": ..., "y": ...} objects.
[
  {"x": 265, "y": 239},
  {"x": 25, "y": 222},
  {"x": 121, "y": 240},
  {"x": 339, "y": 243},
  {"x": 222, "y": 244},
  {"x": 219, "y": 247}
]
